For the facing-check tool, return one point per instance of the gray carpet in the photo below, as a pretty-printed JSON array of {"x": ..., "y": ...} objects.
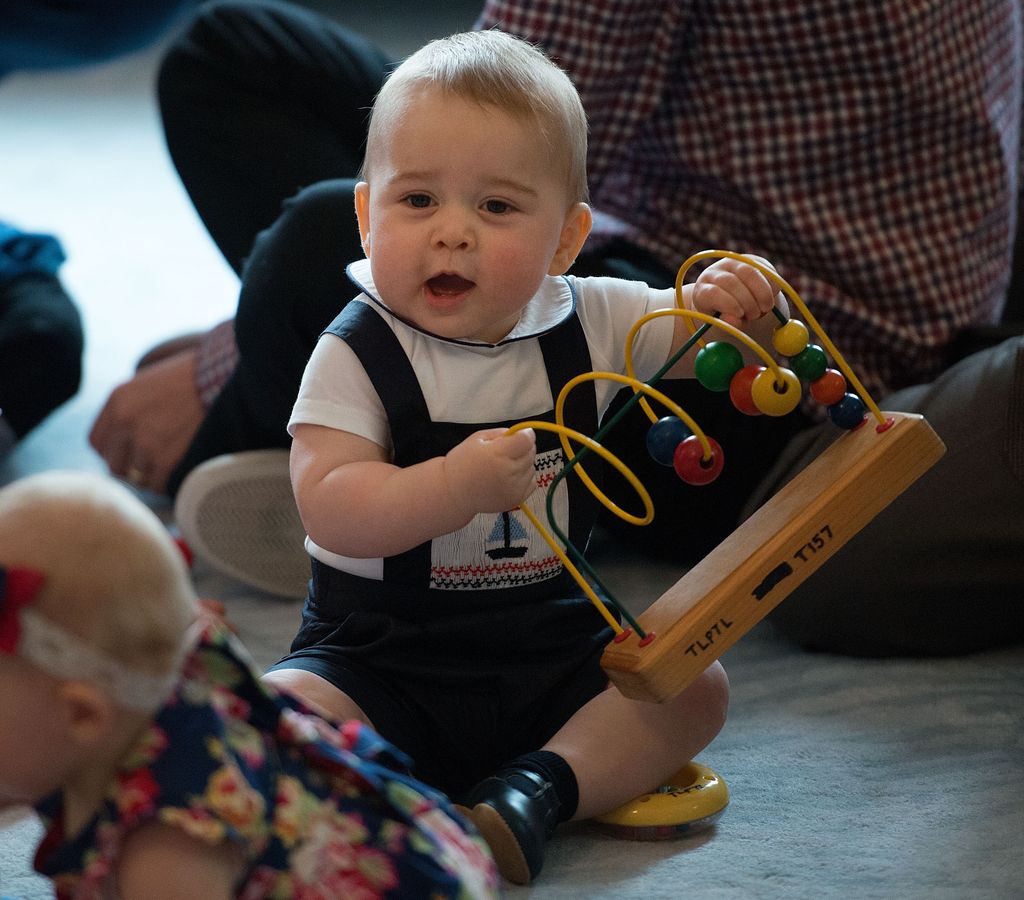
[{"x": 849, "y": 778}]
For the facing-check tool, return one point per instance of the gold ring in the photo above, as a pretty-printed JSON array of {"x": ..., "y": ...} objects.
[{"x": 134, "y": 476}]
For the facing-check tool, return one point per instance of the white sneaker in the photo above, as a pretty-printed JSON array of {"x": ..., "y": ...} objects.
[{"x": 237, "y": 513}]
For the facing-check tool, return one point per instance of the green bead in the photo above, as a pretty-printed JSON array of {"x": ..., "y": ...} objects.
[
  {"x": 810, "y": 363},
  {"x": 716, "y": 363}
]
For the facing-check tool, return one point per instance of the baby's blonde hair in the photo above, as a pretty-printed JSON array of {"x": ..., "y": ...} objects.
[
  {"x": 492, "y": 69},
  {"x": 113, "y": 575}
]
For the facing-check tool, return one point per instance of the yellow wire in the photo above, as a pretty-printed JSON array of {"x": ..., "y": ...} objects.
[
  {"x": 791, "y": 293},
  {"x": 564, "y": 434},
  {"x": 637, "y": 386},
  {"x": 572, "y": 570}
]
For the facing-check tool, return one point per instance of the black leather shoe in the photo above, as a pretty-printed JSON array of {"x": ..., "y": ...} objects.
[{"x": 516, "y": 812}]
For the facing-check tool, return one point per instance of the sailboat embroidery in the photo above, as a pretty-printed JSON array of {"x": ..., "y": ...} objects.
[{"x": 507, "y": 539}]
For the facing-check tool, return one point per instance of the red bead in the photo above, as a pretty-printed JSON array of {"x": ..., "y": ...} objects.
[
  {"x": 690, "y": 464},
  {"x": 739, "y": 390},
  {"x": 829, "y": 388}
]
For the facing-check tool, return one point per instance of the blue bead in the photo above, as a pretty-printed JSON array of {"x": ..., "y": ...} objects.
[
  {"x": 664, "y": 436},
  {"x": 848, "y": 412}
]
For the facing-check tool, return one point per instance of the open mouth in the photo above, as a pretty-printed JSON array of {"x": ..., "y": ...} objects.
[{"x": 448, "y": 285}]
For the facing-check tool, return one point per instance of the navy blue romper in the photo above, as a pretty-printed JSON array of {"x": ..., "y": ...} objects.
[{"x": 460, "y": 679}]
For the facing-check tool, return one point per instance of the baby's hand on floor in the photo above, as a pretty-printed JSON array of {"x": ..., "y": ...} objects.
[
  {"x": 492, "y": 471},
  {"x": 214, "y": 613}
]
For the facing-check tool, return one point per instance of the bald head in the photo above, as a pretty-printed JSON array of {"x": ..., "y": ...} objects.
[{"x": 113, "y": 575}]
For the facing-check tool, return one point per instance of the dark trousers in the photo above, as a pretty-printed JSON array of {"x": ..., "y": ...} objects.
[
  {"x": 40, "y": 349},
  {"x": 265, "y": 109}
]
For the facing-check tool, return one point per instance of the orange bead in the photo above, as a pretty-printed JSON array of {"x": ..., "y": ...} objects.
[
  {"x": 739, "y": 390},
  {"x": 829, "y": 388}
]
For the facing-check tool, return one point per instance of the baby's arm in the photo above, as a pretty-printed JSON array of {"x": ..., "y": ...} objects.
[
  {"x": 354, "y": 502},
  {"x": 164, "y": 863},
  {"x": 744, "y": 298}
]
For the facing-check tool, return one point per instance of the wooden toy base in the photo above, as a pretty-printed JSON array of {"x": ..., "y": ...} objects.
[{"x": 776, "y": 549}]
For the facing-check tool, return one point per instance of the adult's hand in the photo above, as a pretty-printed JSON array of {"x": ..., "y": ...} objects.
[{"x": 148, "y": 422}]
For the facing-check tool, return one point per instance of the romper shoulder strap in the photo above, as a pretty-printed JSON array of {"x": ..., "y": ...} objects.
[{"x": 384, "y": 360}]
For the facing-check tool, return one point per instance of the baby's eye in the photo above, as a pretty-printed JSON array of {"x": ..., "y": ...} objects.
[
  {"x": 498, "y": 207},
  {"x": 418, "y": 201}
]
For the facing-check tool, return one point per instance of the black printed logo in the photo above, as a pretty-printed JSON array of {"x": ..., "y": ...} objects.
[{"x": 772, "y": 579}]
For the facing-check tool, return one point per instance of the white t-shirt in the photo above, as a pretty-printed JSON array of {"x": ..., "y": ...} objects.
[{"x": 469, "y": 382}]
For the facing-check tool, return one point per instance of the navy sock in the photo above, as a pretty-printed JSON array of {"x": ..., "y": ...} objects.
[{"x": 552, "y": 768}]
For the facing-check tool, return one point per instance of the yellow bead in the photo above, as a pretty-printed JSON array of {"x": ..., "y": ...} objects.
[
  {"x": 791, "y": 338},
  {"x": 773, "y": 399}
]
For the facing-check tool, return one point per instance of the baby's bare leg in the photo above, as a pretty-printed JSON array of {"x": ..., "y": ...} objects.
[
  {"x": 317, "y": 693},
  {"x": 620, "y": 748},
  {"x": 612, "y": 750}
]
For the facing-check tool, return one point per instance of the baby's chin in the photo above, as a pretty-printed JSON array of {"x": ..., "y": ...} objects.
[{"x": 448, "y": 328}]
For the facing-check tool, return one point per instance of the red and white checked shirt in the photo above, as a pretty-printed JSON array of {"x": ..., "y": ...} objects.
[{"x": 868, "y": 148}]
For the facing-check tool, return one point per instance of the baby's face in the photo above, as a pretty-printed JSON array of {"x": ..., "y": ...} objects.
[
  {"x": 33, "y": 744},
  {"x": 464, "y": 215}
]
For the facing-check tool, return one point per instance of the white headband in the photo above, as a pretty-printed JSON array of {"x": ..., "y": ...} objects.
[{"x": 65, "y": 655}]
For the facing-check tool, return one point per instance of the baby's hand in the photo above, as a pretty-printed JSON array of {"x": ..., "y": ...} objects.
[
  {"x": 734, "y": 289},
  {"x": 492, "y": 471}
]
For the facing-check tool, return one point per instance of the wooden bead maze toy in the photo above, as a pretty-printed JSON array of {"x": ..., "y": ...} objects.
[{"x": 788, "y": 538}]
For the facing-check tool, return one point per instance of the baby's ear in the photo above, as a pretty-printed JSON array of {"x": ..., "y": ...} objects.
[
  {"x": 362, "y": 197},
  {"x": 575, "y": 230},
  {"x": 87, "y": 711}
]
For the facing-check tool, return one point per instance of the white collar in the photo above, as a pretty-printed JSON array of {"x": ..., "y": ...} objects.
[{"x": 553, "y": 303}]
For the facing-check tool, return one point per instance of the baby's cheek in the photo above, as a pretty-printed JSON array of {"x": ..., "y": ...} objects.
[
  {"x": 511, "y": 259},
  {"x": 521, "y": 273}
]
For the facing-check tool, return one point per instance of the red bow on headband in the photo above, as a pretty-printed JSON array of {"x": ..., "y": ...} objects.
[{"x": 18, "y": 588}]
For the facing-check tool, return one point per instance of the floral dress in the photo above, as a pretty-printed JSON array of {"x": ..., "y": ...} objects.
[{"x": 319, "y": 811}]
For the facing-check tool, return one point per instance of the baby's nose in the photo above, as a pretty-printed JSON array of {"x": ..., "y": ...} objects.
[{"x": 454, "y": 230}]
